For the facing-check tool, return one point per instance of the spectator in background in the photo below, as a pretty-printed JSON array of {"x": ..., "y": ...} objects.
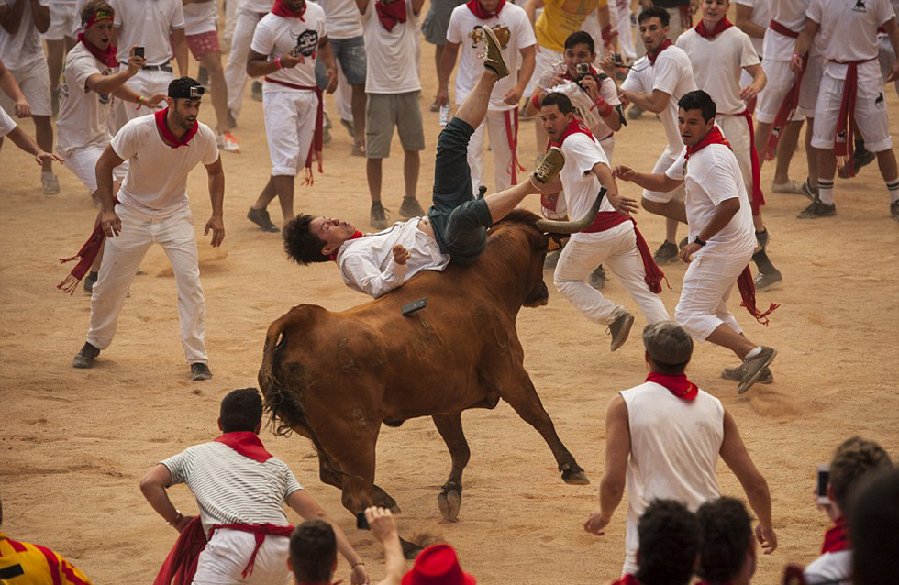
[
  {"x": 60, "y": 40},
  {"x": 249, "y": 13},
  {"x": 874, "y": 531},
  {"x": 728, "y": 553},
  {"x": 434, "y": 30}
]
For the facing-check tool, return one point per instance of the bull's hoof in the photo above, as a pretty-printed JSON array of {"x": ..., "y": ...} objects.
[
  {"x": 449, "y": 502},
  {"x": 410, "y": 549},
  {"x": 383, "y": 499},
  {"x": 575, "y": 477}
]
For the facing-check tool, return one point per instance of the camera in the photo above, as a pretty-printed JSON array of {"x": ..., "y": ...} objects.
[
  {"x": 821, "y": 481},
  {"x": 197, "y": 91},
  {"x": 583, "y": 69},
  {"x": 617, "y": 60},
  {"x": 139, "y": 52}
]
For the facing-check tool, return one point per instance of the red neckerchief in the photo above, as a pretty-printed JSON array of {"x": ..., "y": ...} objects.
[
  {"x": 247, "y": 444},
  {"x": 107, "y": 57},
  {"x": 714, "y": 136},
  {"x": 720, "y": 27},
  {"x": 836, "y": 538},
  {"x": 653, "y": 55},
  {"x": 167, "y": 134},
  {"x": 627, "y": 580},
  {"x": 392, "y": 13},
  {"x": 479, "y": 11},
  {"x": 279, "y": 9},
  {"x": 333, "y": 255},
  {"x": 575, "y": 126},
  {"x": 677, "y": 384}
]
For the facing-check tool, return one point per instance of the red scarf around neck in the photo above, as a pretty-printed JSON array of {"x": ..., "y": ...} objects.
[
  {"x": 720, "y": 27},
  {"x": 677, "y": 384},
  {"x": 333, "y": 255},
  {"x": 714, "y": 136},
  {"x": 107, "y": 57},
  {"x": 479, "y": 11},
  {"x": 247, "y": 444},
  {"x": 280, "y": 9},
  {"x": 392, "y": 13},
  {"x": 837, "y": 537},
  {"x": 574, "y": 126},
  {"x": 167, "y": 134},
  {"x": 653, "y": 55}
]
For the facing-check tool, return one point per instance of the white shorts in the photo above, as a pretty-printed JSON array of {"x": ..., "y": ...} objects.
[
  {"x": 811, "y": 83},
  {"x": 780, "y": 81},
  {"x": 666, "y": 159},
  {"x": 702, "y": 307},
  {"x": 870, "y": 108},
  {"x": 227, "y": 554},
  {"x": 736, "y": 130},
  {"x": 289, "y": 128},
  {"x": 83, "y": 162},
  {"x": 62, "y": 21},
  {"x": 35, "y": 84}
]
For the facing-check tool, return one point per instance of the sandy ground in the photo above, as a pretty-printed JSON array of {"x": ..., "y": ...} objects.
[{"x": 75, "y": 443}]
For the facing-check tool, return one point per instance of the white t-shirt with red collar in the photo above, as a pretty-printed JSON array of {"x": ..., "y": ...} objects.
[
  {"x": 83, "y": 113},
  {"x": 392, "y": 65},
  {"x": 717, "y": 64},
  {"x": 511, "y": 25},
  {"x": 148, "y": 25},
  {"x": 276, "y": 36},
  {"x": 579, "y": 182}
]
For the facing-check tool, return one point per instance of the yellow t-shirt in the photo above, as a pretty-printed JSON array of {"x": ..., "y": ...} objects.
[
  {"x": 22, "y": 563},
  {"x": 560, "y": 18}
]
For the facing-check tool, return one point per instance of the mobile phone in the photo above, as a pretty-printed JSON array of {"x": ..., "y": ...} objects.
[
  {"x": 139, "y": 52},
  {"x": 821, "y": 481},
  {"x": 415, "y": 306},
  {"x": 583, "y": 68}
]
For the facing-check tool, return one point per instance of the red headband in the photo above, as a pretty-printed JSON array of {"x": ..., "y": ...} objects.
[{"x": 100, "y": 15}]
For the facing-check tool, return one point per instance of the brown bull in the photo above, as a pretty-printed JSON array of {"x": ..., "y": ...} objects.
[{"x": 337, "y": 377}]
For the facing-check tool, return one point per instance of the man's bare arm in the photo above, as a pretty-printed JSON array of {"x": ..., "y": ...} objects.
[{"x": 618, "y": 448}]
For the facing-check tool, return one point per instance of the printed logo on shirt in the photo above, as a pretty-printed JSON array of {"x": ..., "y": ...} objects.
[
  {"x": 307, "y": 42},
  {"x": 859, "y": 6},
  {"x": 502, "y": 32},
  {"x": 878, "y": 101}
]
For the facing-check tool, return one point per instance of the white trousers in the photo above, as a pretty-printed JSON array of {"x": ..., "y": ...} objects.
[
  {"x": 83, "y": 162},
  {"x": 236, "y": 70},
  {"x": 289, "y": 127},
  {"x": 504, "y": 172},
  {"x": 227, "y": 554},
  {"x": 121, "y": 260},
  {"x": 625, "y": 30},
  {"x": 616, "y": 249},
  {"x": 707, "y": 284},
  {"x": 736, "y": 130}
]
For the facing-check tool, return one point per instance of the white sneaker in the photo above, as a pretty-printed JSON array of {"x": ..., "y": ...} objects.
[
  {"x": 227, "y": 142},
  {"x": 49, "y": 183}
]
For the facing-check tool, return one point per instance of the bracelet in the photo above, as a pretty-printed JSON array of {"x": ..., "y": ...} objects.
[
  {"x": 354, "y": 565},
  {"x": 178, "y": 518},
  {"x": 278, "y": 65},
  {"x": 139, "y": 100}
]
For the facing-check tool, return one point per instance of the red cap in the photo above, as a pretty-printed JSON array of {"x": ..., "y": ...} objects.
[{"x": 437, "y": 565}]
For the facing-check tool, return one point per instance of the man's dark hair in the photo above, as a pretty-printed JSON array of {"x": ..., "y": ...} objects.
[
  {"x": 699, "y": 100},
  {"x": 94, "y": 7},
  {"x": 852, "y": 461},
  {"x": 654, "y": 12},
  {"x": 241, "y": 410},
  {"x": 180, "y": 88},
  {"x": 301, "y": 245},
  {"x": 668, "y": 346},
  {"x": 669, "y": 538},
  {"x": 726, "y": 539},
  {"x": 874, "y": 530},
  {"x": 558, "y": 99},
  {"x": 313, "y": 551},
  {"x": 580, "y": 38}
]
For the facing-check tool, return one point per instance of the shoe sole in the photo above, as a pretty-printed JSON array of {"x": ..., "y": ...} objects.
[
  {"x": 629, "y": 322},
  {"x": 552, "y": 157},
  {"x": 200, "y": 378},
  {"x": 747, "y": 384},
  {"x": 82, "y": 363},
  {"x": 490, "y": 39},
  {"x": 724, "y": 376}
]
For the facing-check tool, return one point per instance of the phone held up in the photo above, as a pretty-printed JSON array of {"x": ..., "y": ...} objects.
[
  {"x": 139, "y": 52},
  {"x": 821, "y": 481}
]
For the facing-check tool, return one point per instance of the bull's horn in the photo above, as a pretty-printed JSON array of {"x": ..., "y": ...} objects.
[{"x": 550, "y": 226}]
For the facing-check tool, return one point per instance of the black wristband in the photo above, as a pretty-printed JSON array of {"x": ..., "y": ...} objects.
[{"x": 700, "y": 242}]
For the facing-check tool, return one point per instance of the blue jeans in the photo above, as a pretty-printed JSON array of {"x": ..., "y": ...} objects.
[{"x": 350, "y": 53}]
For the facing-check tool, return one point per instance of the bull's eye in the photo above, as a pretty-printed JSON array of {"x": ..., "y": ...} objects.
[{"x": 280, "y": 341}]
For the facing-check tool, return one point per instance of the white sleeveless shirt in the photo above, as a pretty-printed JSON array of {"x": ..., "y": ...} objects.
[{"x": 674, "y": 448}]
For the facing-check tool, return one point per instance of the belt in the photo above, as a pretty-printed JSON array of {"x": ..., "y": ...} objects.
[
  {"x": 167, "y": 67},
  {"x": 787, "y": 32}
]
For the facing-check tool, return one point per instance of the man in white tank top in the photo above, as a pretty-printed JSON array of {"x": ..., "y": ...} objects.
[{"x": 663, "y": 439}]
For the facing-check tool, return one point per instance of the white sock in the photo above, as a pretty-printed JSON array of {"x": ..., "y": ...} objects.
[
  {"x": 753, "y": 352},
  {"x": 825, "y": 191},
  {"x": 893, "y": 188}
]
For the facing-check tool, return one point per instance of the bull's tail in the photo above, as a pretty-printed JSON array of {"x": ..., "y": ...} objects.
[{"x": 283, "y": 406}]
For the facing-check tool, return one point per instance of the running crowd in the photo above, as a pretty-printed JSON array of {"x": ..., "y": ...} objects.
[{"x": 128, "y": 129}]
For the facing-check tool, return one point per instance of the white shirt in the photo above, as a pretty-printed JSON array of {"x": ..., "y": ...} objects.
[
  {"x": 717, "y": 64},
  {"x": 586, "y": 107},
  {"x": 672, "y": 73},
  {"x": 82, "y": 112},
  {"x": 343, "y": 17},
  {"x": 20, "y": 51},
  {"x": 148, "y": 24},
  {"x": 761, "y": 16},
  {"x": 157, "y": 174},
  {"x": 7, "y": 124},
  {"x": 276, "y": 36},
  {"x": 200, "y": 18},
  {"x": 366, "y": 264},
  {"x": 791, "y": 14},
  {"x": 466, "y": 29},
  {"x": 392, "y": 66},
  {"x": 712, "y": 176},
  {"x": 833, "y": 568},
  {"x": 851, "y": 29},
  {"x": 674, "y": 449},
  {"x": 231, "y": 488},
  {"x": 579, "y": 182}
]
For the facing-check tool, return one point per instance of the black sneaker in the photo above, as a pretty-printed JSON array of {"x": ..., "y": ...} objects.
[
  {"x": 261, "y": 218},
  {"x": 598, "y": 278},
  {"x": 200, "y": 372},
  {"x": 765, "y": 280},
  {"x": 379, "y": 215},
  {"x": 666, "y": 254},
  {"x": 736, "y": 375},
  {"x": 620, "y": 328},
  {"x": 410, "y": 208},
  {"x": 84, "y": 359},
  {"x": 753, "y": 367},
  {"x": 894, "y": 210},
  {"x": 818, "y": 209},
  {"x": 89, "y": 281}
]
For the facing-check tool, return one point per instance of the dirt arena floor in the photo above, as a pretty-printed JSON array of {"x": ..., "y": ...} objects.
[{"x": 74, "y": 444}]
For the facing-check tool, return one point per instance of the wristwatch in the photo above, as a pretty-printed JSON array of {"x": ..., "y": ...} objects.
[{"x": 699, "y": 241}]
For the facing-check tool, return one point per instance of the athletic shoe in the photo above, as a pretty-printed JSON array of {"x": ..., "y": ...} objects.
[
  {"x": 227, "y": 142},
  {"x": 256, "y": 91},
  {"x": 620, "y": 328},
  {"x": 894, "y": 210},
  {"x": 493, "y": 55},
  {"x": 349, "y": 127},
  {"x": 49, "y": 183},
  {"x": 634, "y": 112},
  {"x": 666, "y": 254},
  {"x": 818, "y": 209},
  {"x": 598, "y": 278},
  {"x": 792, "y": 187},
  {"x": 810, "y": 192},
  {"x": 753, "y": 366},
  {"x": 410, "y": 208},
  {"x": 862, "y": 158},
  {"x": 261, "y": 218},
  {"x": 200, "y": 372},
  {"x": 736, "y": 375},
  {"x": 549, "y": 166},
  {"x": 84, "y": 359},
  {"x": 89, "y": 281},
  {"x": 379, "y": 215},
  {"x": 765, "y": 280},
  {"x": 763, "y": 237}
]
